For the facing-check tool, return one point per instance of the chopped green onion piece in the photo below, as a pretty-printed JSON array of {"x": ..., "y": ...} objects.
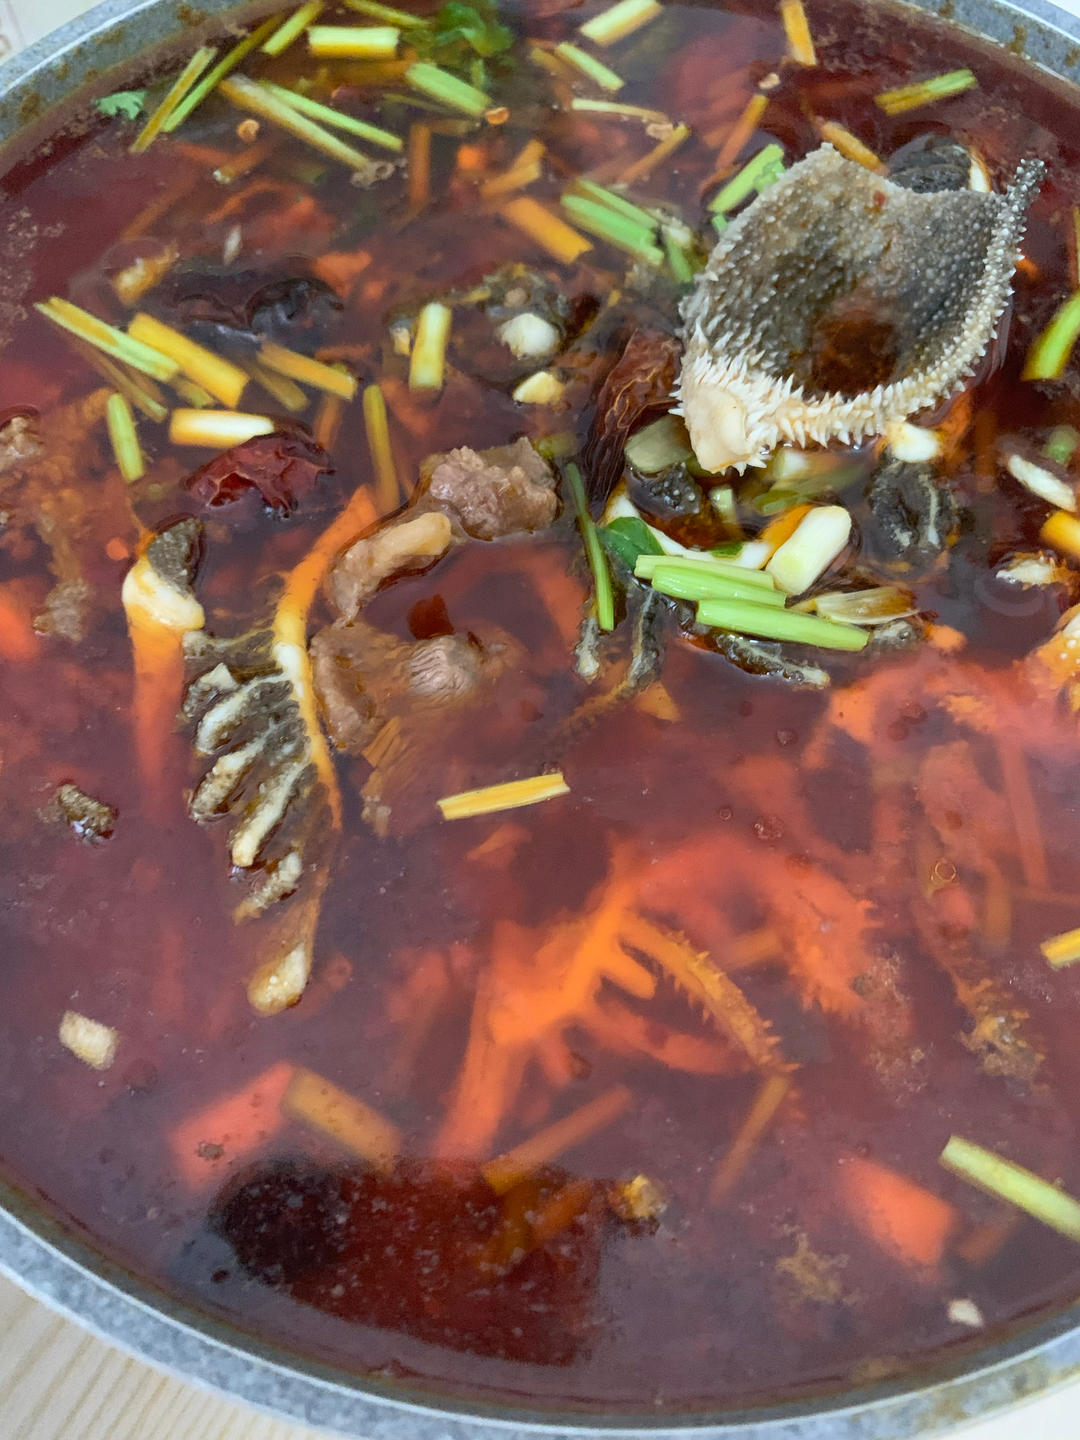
[
  {"x": 124, "y": 438},
  {"x": 706, "y": 565},
  {"x": 627, "y": 538},
  {"x": 910, "y": 97},
  {"x": 329, "y": 116},
  {"x": 354, "y": 42},
  {"x": 719, "y": 224},
  {"x": 401, "y": 18},
  {"x": 722, "y": 499},
  {"x": 659, "y": 445},
  {"x": 428, "y": 360},
  {"x": 614, "y": 201},
  {"x": 594, "y": 551},
  {"x": 1061, "y": 445},
  {"x": 285, "y": 391},
  {"x": 589, "y": 66},
  {"x": 441, "y": 85},
  {"x": 107, "y": 338},
  {"x": 1011, "y": 1182},
  {"x": 679, "y": 256},
  {"x": 620, "y": 21},
  {"x": 1061, "y": 950},
  {"x": 609, "y": 225},
  {"x": 179, "y": 89},
  {"x": 387, "y": 491},
  {"x": 683, "y": 583},
  {"x": 756, "y": 174},
  {"x": 251, "y": 95},
  {"x": 771, "y": 623},
  {"x": 225, "y": 66},
  {"x": 1050, "y": 353},
  {"x": 615, "y": 107},
  {"x": 293, "y": 28}
]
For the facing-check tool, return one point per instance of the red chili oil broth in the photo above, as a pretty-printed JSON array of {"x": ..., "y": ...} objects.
[{"x": 385, "y": 1274}]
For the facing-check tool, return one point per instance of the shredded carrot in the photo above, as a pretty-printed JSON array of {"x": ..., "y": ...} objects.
[
  {"x": 754, "y": 948},
  {"x": 238, "y": 203},
  {"x": 328, "y": 420},
  {"x": 983, "y": 1242},
  {"x": 552, "y": 234},
  {"x": 739, "y": 136},
  {"x": 513, "y": 1166},
  {"x": 850, "y": 146},
  {"x": 656, "y": 700},
  {"x": 1027, "y": 267},
  {"x": 17, "y": 638},
  {"x": 1025, "y": 811},
  {"x": 781, "y": 529},
  {"x": 237, "y": 1124},
  {"x": 340, "y": 269},
  {"x": 471, "y": 158},
  {"x": 797, "y": 28},
  {"x": 770, "y": 1096},
  {"x": 419, "y": 166},
  {"x": 910, "y": 1223},
  {"x": 148, "y": 218},
  {"x": 354, "y": 1125},
  {"x": 511, "y": 180},
  {"x": 117, "y": 549},
  {"x": 643, "y": 168},
  {"x": 527, "y": 1224},
  {"x": 243, "y": 162}
]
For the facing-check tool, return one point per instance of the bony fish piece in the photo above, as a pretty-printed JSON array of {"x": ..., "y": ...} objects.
[{"x": 839, "y": 303}]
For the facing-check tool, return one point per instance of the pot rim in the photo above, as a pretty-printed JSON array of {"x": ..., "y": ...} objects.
[{"x": 60, "y": 1267}]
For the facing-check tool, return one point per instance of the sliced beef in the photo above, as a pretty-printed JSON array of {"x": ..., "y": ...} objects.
[
  {"x": 411, "y": 543},
  {"x": 493, "y": 492}
]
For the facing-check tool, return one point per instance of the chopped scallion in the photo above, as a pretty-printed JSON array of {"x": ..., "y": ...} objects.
[
  {"x": 634, "y": 213},
  {"x": 620, "y": 21},
  {"x": 614, "y": 107},
  {"x": 401, "y": 18},
  {"x": 427, "y": 364},
  {"x": 1049, "y": 355},
  {"x": 353, "y": 42},
  {"x": 679, "y": 256},
  {"x": 684, "y": 583},
  {"x": 387, "y": 491},
  {"x": 293, "y": 28},
  {"x": 602, "y": 592},
  {"x": 705, "y": 565},
  {"x": 308, "y": 371},
  {"x": 770, "y": 622},
  {"x": 616, "y": 229},
  {"x": 286, "y": 392},
  {"x": 108, "y": 338},
  {"x": 441, "y": 85},
  {"x": 1008, "y": 1181},
  {"x": 589, "y": 66},
  {"x": 225, "y": 66},
  {"x": 329, "y": 116},
  {"x": 260, "y": 100},
  {"x": 124, "y": 438},
  {"x": 756, "y": 174},
  {"x": 177, "y": 92},
  {"x": 1062, "y": 950},
  {"x": 925, "y": 92},
  {"x": 224, "y": 380}
]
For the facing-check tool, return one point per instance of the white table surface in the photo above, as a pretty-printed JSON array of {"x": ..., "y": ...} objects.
[{"x": 58, "y": 1383}]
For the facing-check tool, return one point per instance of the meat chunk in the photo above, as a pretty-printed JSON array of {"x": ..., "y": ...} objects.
[
  {"x": 493, "y": 492},
  {"x": 20, "y": 440},
  {"x": 90, "y": 819},
  {"x": 413, "y": 543}
]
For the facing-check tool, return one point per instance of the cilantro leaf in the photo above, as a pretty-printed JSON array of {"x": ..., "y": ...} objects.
[{"x": 128, "y": 103}]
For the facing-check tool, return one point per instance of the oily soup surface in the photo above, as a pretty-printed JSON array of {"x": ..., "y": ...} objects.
[{"x": 774, "y": 947}]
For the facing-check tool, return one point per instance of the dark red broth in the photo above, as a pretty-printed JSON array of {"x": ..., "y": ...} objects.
[{"x": 751, "y": 804}]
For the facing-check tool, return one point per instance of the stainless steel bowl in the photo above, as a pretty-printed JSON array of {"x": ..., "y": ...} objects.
[{"x": 90, "y": 56}]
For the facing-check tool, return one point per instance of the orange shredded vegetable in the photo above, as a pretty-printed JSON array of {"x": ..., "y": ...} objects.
[{"x": 908, "y": 1222}]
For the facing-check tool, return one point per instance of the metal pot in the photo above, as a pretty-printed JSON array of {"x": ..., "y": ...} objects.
[{"x": 63, "y": 1270}]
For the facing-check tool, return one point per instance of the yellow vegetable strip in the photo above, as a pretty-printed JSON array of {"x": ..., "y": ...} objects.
[
  {"x": 738, "y": 137},
  {"x": 144, "y": 394},
  {"x": 124, "y": 438},
  {"x": 250, "y": 95},
  {"x": 308, "y": 371},
  {"x": 356, "y": 42},
  {"x": 850, "y": 146},
  {"x": 186, "y": 79},
  {"x": 293, "y": 28},
  {"x": 509, "y": 1169},
  {"x": 387, "y": 492},
  {"x": 1008, "y": 1181},
  {"x": 1062, "y": 531},
  {"x": 510, "y": 796},
  {"x": 224, "y": 380},
  {"x": 225, "y": 66},
  {"x": 108, "y": 338},
  {"x": 643, "y": 168},
  {"x": 797, "y": 29},
  {"x": 286, "y": 392},
  {"x": 217, "y": 429},
  {"x": 766, "y": 1102},
  {"x": 354, "y": 1125},
  {"x": 620, "y": 21},
  {"x": 1062, "y": 950},
  {"x": 553, "y": 235},
  {"x": 427, "y": 363}
]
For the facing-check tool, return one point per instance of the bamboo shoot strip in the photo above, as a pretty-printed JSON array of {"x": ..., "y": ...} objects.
[
  {"x": 1011, "y": 1182},
  {"x": 356, "y": 42},
  {"x": 512, "y": 795},
  {"x": 851, "y": 147},
  {"x": 549, "y": 232},
  {"x": 179, "y": 89},
  {"x": 308, "y": 371},
  {"x": 441, "y": 85},
  {"x": 1062, "y": 950},
  {"x": 603, "y": 594},
  {"x": 797, "y": 29},
  {"x": 217, "y": 429},
  {"x": 225, "y": 66},
  {"x": 293, "y": 28},
  {"x": 260, "y": 100},
  {"x": 108, "y": 338},
  {"x": 286, "y": 392},
  {"x": 509, "y": 1169},
  {"x": 340, "y": 121},
  {"x": 387, "y": 491},
  {"x": 224, "y": 380},
  {"x": 1051, "y": 350},
  {"x": 767, "y": 1101},
  {"x": 620, "y": 21},
  {"x": 588, "y": 65},
  {"x": 124, "y": 438},
  {"x": 387, "y": 14},
  {"x": 354, "y": 1125},
  {"x": 427, "y": 364}
]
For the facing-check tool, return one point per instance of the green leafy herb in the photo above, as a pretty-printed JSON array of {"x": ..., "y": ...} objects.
[
  {"x": 627, "y": 538},
  {"x": 128, "y": 103},
  {"x": 462, "y": 35}
]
